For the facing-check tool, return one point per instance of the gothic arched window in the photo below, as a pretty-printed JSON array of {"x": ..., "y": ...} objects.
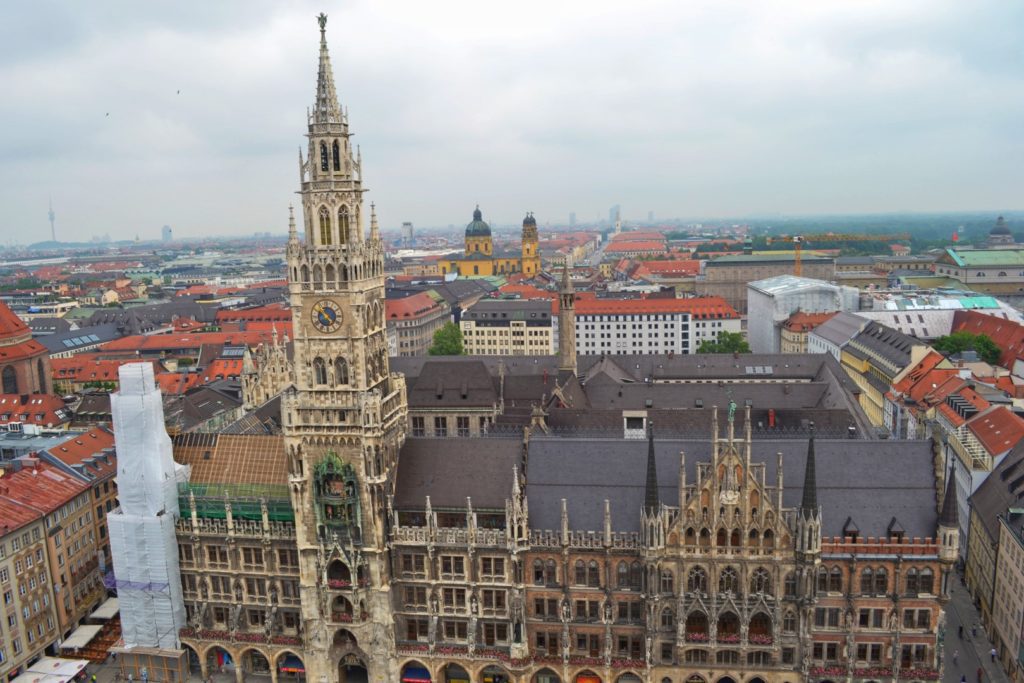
[
  {"x": 10, "y": 381},
  {"x": 790, "y": 584},
  {"x": 926, "y": 581},
  {"x": 41, "y": 369},
  {"x": 729, "y": 581},
  {"x": 593, "y": 575},
  {"x": 623, "y": 575},
  {"x": 319, "y": 371},
  {"x": 581, "y": 573},
  {"x": 323, "y": 156},
  {"x": 636, "y": 576},
  {"x": 822, "y": 586},
  {"x": 668, "y": 618},
  {"x": 761, "y": 581},
  {"x": 337, "y": 157},
  {"x": 340, "y": 370},
  {"x": 325, "y": 225},
  {"x": 881, "y": 581},
  {"x": 343, "y": 225},
  {"x": 667, "y": 581},
  {"x": 835, "y": 580},
  {"x": 867, "y": 581},
  {"x": 789, "y": 622},
  {"x": 697, "y": 580}
]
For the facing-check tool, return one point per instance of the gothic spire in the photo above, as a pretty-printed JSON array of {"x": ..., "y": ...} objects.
[
  {"x": 651, "y": 501},
  {"x": 374, "y": 228},
  {"x": 292, "y": 234},
  {"x": 566, "y": 280},
  {"x": 950, "y": 516},
  {"x": 809, "y": 503},
  {"x": 326, "y": 108}
]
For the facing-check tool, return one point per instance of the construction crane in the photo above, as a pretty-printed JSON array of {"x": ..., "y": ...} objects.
[{"x": 799, "y": 241}]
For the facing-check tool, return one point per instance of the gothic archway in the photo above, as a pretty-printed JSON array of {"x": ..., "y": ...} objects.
[
  {"x": 351, "y": 669},
  {"x": 546, "y": 676},
  {"x": 290, "y": 667},
  {"x": 494, "y": 674},
  {"x": 453, "y": 673},
  {"x": 414, "y": 672}
]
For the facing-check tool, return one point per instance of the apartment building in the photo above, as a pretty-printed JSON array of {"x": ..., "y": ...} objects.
[
  {"x": 66, "y": 505},
  {"x": 30, "y": 622},
  {"x": 640, "y": 326},
  {"x": 508, "y": 327},
  {"x": 415, "y": 319}
]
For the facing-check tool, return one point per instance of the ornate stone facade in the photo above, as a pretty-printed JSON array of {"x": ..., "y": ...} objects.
[{"x": 446, "y": 575}]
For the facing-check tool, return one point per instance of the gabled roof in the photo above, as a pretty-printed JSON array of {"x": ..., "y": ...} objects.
[
  {"x": 998, "y": 429},
  {"x": 41, "y": 486},
  {"x": 1002, "y": 489},
  {"x": 1008, "y": 336},
  {"x": 45, "y": 410},
  {"x": 89, "y": 456},
  {"x": 232, "y": 459},
  {"x": 840, "y": 328}
]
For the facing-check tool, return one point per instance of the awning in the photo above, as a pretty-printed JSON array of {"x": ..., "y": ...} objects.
[
  {"x": 108, "y": 610},
  {"x": 52, "y": 670},
  {"x": 415, "y": 674},
  {"x": 79, "y": 638},
  {"x": 292, "y": 665}
]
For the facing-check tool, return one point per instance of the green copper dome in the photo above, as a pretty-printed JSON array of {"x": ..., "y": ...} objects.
[{"x": 478, "y": 228}]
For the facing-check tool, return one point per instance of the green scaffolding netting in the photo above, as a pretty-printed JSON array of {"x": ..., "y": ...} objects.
[{"x": 244, "y": 499}]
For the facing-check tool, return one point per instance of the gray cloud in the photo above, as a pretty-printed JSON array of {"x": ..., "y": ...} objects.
[{"x": 688, "y": 109}]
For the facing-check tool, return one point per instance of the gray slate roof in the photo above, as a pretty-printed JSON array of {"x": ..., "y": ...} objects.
[
  {"x": 840, "y": 328},
  {"x": 1000, "y": 491},
  {"x": 449, "y": 470},
  {"x": 869, "y": 481}
]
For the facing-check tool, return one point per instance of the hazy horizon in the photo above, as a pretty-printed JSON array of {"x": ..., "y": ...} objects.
[{"x": 134, "y": 116}]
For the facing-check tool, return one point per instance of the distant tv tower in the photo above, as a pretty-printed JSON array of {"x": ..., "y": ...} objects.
[{"x": 53, "y": 217}]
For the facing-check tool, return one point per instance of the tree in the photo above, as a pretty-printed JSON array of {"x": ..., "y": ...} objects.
[
  {"x": 958, "y": 342},
  {"x": 727, "y": 342},
  {"x": 447, "y": 341}
]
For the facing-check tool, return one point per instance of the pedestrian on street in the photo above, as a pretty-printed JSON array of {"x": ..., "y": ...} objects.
[
  {"x": 960, "y": 631},
  {"x": 956, "y": 656},
  {"x": 963, "y": 679},
  {"x": 993, "y": 653},
  {"x": 974, "y": 630},
  {"x": 979, "y": 674}
]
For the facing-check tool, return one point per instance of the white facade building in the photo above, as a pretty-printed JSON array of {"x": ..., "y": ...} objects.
[
  {"x": 772, "y": 300},
  {"x": 636, "y": 326}
]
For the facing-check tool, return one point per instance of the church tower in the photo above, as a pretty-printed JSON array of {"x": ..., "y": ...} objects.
[
  {"x": 531, "y": 246},
  {"x": 344, "y": 415}
]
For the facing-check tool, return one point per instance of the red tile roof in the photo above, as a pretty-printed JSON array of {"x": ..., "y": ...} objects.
[
  {"x": 40, "y": 486},
  {"x": 87, "y": 450},
  {"x": 10, "y": 324},
  {"x": 45, "y": 410},
  {"x": 685, "y": 268},
  {"x": 14, "y": 515},
  {"x": 415, "y": 306},
  {"x": 638, "y": 246},
  {"x": 1008, "y": 335},
  {"x": 805, "y": 322},
  {"x": 272, "y": 312},
  {"x": 222, "y": 368},
  {"x": 178, "y": 342},
  {"x": 998, "y": 429},
  {"x": 638, "y": 236},
  {"x": 86, "y": 368},
  {"x": 173, "y": 383}
]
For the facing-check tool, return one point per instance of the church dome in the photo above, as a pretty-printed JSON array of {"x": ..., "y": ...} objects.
[
  {"x": 478, "y": 228},
  {"x": 529, "y": 221},
  {"x": 1000, "y": 227}
]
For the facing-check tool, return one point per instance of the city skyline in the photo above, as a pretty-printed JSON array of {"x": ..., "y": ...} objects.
[{"x": 134, "y": 121}]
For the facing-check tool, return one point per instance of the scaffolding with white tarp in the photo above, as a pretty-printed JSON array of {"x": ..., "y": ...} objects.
[{"x": 142, "y": 538}]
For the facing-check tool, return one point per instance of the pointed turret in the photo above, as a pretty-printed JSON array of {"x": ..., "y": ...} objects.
[
  {"x": 651, "y": 501},
  {"x": 326, "y": 108},
  {"x": 809, "y": 502},
  {"x": 374, "y": 228},
  {"x": 293, "y": 235},
  {"x": 567, "y": 324},
  {"x": 949, "y": 517}
]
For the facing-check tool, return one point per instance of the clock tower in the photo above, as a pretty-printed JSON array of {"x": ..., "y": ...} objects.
[{"x": 344, "y": 416}]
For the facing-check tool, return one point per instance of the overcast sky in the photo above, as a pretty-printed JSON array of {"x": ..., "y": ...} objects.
[{"x": 718, "y": 108}]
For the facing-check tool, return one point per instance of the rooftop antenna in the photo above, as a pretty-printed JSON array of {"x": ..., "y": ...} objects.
[{"x": 53, "y": 217}]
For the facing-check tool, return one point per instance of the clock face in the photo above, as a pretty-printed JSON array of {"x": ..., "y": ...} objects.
[{"x": 326, "y": 316}]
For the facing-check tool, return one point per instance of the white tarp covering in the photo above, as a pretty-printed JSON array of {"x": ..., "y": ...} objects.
[
  {"x": 30, "y": 677},
  {"x": 108, "y": 610},
  {"x": 145, "y": 466},
  {"x": 142, "y": 539},
  {"x": 80, "y": 637}
]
